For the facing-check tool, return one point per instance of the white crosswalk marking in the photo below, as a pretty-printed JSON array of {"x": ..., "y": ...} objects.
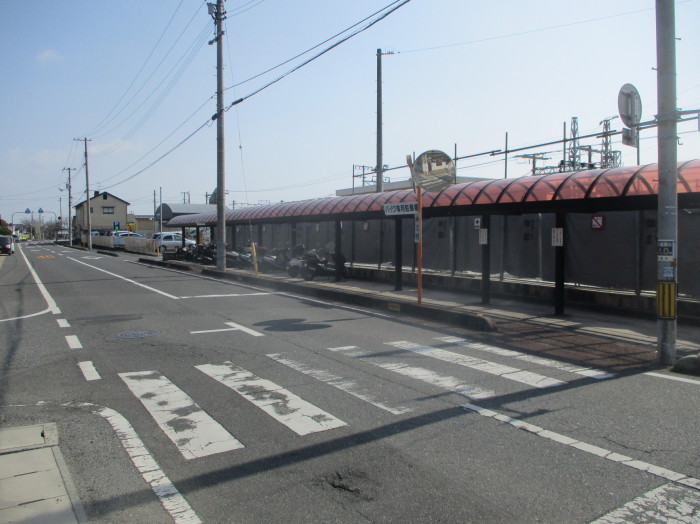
[
  {"x": 508, "y": 372},
  {"x": 348, "y": 386},
  {"x": 284, "y": 406},
  {"x": 425, "y": 375},
  {"x": 189, "y": 427},
  {"x": 547, "y": 362},
  {"x": 667, "y": 503}
]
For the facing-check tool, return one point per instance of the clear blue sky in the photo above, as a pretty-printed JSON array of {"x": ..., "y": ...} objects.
[{"x": 138, "y": 77}]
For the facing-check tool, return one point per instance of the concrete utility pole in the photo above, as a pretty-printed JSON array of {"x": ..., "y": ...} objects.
[
  {"x": 87, "y": 200},
  {"x": 217, "y": 12},
  {"x": 70, "y": 209},
  {"x": 379, "y": 170},
  {"x": 667, "y": 232}
]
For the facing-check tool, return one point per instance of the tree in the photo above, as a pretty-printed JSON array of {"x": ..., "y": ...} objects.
[{"x": 4, "y": 228}]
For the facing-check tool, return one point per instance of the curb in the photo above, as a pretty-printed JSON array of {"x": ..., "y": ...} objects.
[{"x": 450, "y": 315}]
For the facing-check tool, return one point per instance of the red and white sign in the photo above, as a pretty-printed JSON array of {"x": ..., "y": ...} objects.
[{"x": 598, "y": 222}]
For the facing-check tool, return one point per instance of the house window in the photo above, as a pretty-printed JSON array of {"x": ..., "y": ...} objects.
[{"x": 107, "y": 210}]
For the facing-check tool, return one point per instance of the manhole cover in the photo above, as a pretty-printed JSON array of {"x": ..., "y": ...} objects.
[{"x": 139, "y": 333}]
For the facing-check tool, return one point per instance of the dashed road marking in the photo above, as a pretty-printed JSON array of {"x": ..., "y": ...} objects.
[
  {"x": 297, "y": 414},
  {"x": 188, "y": 426},
  {"x": 89, "y": 371},
  {"x": 73, "y": 342},
  {"x": 62, "y": 323}
]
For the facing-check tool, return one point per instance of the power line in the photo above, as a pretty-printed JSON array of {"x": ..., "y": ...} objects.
[
  {"x": 160, "y": 38},
  {"x": 318, "y": 55},
  {"x": 312, "y": 48}
]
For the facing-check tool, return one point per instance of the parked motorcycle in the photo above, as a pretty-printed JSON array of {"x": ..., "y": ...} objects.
[
  {"x": 314, "y": 265},
  {"x": 296, "y": 261}
]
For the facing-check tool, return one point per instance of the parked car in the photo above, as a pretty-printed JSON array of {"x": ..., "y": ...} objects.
[
  {"x": 7, "y": 245},
  {"x": 120, "y": 237},
  {"x": 170, "y": 241}
]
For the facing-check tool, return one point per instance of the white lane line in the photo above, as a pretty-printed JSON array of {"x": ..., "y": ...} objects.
[
  {"x": 89, "y": 371},
  {"x": 62, "y": 323},
  {"x": 508, "y": 372},
  {"x": 671, "y": 377},
  {"x": 44, "y": 292},
  {"x": 73, "y": 342},
  {"x": 297, "y": 414},
  {"x": 658, "y": 471},
  {"x": 191, "y": 429},
  {"x": 170, "y": 498},
  {"x": 667, "y": 503},
  {"x": 126, "y": 279},
  {"x": 447, "y": 382},
  {"x": 546, "y": 362},
  {"x": 234, "y": 327},
  {"x": 346, "y": 385},
  {"x": 244, "y": 329},
  {"x": 230, "y": 295}
]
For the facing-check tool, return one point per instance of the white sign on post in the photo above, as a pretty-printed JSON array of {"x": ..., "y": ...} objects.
[
  {"x": 483, "y": 237},
  {"x": 401, "y": 208},
  {"x": 557, "y": 236}
]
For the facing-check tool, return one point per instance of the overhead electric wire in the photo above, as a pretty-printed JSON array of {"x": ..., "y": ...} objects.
[
  {"x": 318, "y": 55},
  {"x": 208, "y": 122},
  {"x": 520, "y": 33},
  {"x": 239, "y": 10},
  {"x": 193, "y": 50},
  {"x": 312, "y": 48},
  {"x": 159, "y": 143},
  {"x": 99, "y": 126}
]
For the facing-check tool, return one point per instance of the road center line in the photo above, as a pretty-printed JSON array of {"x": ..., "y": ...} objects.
[
  {"x": 127, "y": 279},
  {"x": 89, "y": 371},
  {"x": 73, "y": 342}
]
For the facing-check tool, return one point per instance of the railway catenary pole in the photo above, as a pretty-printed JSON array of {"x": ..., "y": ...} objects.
[{"x": 667, "y": 232}]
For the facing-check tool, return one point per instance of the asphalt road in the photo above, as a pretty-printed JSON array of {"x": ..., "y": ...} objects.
[{"x": 184, "y": 398}]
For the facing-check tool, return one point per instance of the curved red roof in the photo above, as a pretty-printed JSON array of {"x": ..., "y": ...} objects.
[{"x": 617, "y": 183}]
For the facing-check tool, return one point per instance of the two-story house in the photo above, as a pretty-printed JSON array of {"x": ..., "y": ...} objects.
[{"x": 107, "y": 212}]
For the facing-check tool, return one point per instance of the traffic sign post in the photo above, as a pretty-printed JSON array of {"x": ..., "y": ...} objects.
[{"x": 432, "y": 171}]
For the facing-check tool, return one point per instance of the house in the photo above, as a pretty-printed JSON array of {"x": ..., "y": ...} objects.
[{"x": 107, "y": 212}]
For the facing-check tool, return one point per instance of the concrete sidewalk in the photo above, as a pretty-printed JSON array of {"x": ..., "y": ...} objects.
[{"x": 35, "y": 485}]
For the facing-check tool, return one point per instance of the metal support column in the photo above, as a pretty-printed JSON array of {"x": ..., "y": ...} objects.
[
  {"x": 398, "y": 253},
  {"x": 486, "y": 260},
  {"x": 559, "y": 267},
  {"x": 339, "y": 258}
]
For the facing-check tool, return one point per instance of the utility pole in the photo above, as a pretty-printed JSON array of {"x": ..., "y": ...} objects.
[
  {"x": 380, "y": 161},
  {"x": 217, "y": 12},
  {"x": 70, "y": 209},
  {"x": 667, "y": 232},
  {"x": 87, "y": 193}
]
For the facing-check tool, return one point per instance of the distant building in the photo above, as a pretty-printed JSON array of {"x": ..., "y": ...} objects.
[{"x": 107, "y": 212}]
